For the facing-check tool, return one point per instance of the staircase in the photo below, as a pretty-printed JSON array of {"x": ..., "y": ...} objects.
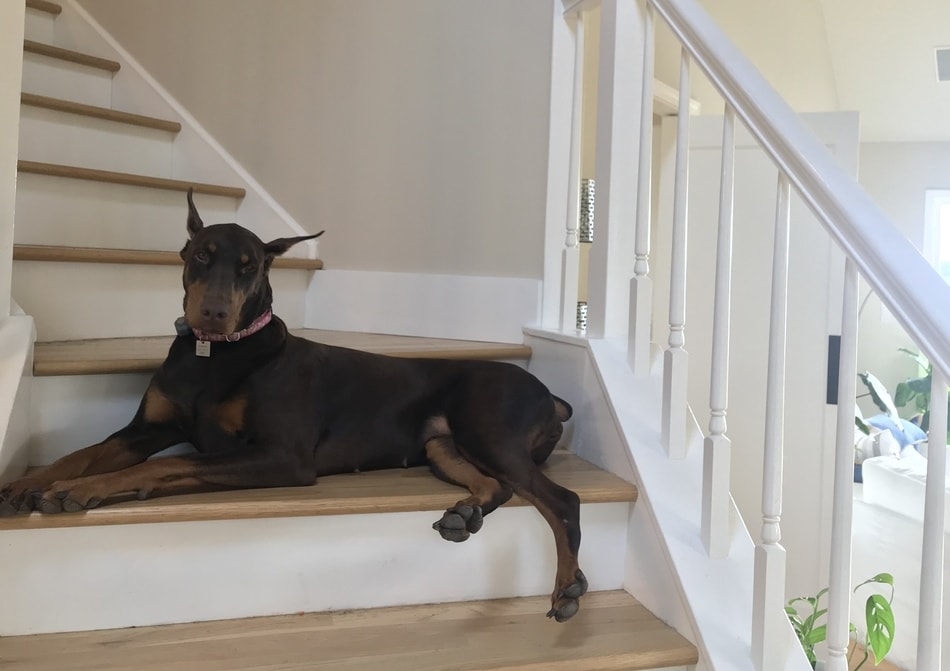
[{"x": 348, "y": 571}]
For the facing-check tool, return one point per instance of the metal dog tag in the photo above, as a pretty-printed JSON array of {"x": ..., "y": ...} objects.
[{"x": 202, "y": 348}]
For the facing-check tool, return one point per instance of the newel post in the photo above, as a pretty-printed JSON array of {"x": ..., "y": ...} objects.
[{"x": 619, "y": 88}]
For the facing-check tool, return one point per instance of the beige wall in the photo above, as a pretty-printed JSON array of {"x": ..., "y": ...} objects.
[
  {"x": 786, "y": 41},
  {"x": 415, "y": 132}
]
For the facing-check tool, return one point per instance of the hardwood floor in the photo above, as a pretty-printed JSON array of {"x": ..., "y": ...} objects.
[{"x": 611, "y": 632}]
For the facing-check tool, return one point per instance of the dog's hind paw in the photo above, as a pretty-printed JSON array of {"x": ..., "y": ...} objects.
[
  {"x": 458, "y": 523},
  {"x": 564, "y": 604}
]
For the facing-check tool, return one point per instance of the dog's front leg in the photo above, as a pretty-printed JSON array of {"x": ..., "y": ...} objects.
[
  {"x": 131, "y": 445},
  {"x": 172, "y": 475}
]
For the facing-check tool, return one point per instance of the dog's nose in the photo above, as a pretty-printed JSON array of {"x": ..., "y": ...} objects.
[{"x": 215, "y": 312}]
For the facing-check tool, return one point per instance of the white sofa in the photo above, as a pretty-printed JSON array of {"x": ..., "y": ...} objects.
[{"x": 887, "y": 537}]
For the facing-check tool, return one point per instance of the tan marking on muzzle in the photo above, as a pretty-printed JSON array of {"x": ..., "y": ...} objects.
[
  {"x": 237, "y": 305},
  {"x": 194, "y": 297}
]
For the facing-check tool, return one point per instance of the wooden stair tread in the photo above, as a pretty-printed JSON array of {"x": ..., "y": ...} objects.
[
  {"x": 612, "y": 631},
  {"x": 127, "y": 179},
  {"x": 389, "y": 491},
  {"x": 146, "y": 257},
  {"x": 44, "y": 6},
  {"x": 48, "y": 50},
  {"x": 105, "y": 113},
  {"x": 143, "y": 355}
]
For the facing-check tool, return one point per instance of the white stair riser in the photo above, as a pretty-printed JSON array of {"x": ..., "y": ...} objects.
[
  {"x": 137, "y": 575},
  {"x": 50, "y": 136},
  {"x": 74, "y": 301},
  {"x": 108, "y": 215},
  {"x": 71, "y": 412},
  {"x": 61, "y": 79},
  {"x": 39, "y": 26}
]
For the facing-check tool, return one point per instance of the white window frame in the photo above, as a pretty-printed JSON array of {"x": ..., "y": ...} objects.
[{"x": 937, "y": 229}]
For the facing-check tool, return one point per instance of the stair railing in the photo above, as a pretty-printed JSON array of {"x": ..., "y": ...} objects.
[{"x": 873, "y": 247}]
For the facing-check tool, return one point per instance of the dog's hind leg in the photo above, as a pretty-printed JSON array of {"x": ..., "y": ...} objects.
[
  {"x": 560, "y": 507},
  {"x": 447, "y": 463}
]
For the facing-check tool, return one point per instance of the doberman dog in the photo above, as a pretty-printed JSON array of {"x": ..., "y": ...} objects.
[{"x": 265, "y": 408}]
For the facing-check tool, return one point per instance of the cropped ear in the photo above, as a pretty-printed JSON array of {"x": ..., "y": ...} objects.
[
  {"x": 194, "y": 221},
  {"x": 281, "y": 245}
]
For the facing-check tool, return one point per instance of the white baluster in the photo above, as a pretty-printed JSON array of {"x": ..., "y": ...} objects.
[
  {"x": 570, "y": 256},
  {"x": 930, "y": 614},
  {"x": 717, "y": 448},
  {"x": 769, "y": 625},
  {"x": 641, "y": 286},
  {"x": 675, "y": 359},
  {"x": 839, "y": 587}
]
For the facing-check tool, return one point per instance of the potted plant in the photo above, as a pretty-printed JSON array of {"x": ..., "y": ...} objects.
[{"x": 811, "y": 629}]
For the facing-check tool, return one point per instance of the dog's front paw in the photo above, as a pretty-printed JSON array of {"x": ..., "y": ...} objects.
[
  {"x": 459, "y": 522},
  {"x": 564, "y": 603},
  {"x": 18, "y": 497},
  {"x": 68, "y": 496}
]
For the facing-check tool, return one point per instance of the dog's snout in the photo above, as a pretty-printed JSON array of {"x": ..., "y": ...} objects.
[{"x": 215, "y": 312}]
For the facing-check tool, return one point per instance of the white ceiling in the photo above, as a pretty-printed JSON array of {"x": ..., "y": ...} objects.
[{"x": 882, "y": 57}]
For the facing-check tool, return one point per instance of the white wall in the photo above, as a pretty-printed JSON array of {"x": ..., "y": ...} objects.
[
  {"x": 896, "y": 175},
  {"x": 389, "y": 124}
]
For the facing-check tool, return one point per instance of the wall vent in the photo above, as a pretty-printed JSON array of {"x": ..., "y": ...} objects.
[{"x": 943, "y": 64}]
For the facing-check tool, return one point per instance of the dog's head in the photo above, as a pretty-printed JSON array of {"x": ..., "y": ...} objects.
[{"x": 226, "y": 274}]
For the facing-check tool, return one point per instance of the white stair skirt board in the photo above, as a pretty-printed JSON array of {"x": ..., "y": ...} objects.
[
  {"x": 71, "y": 412},
  {"x": 61, "y": 79},
  {"x": 73, "y": 301},
  {"x": 108, "y": 215},
  {"x": 565, "y": 364},
  {"x": 142, "y": 574},
  {"x": 16, "y": 343},
  {"x": 51, "y": 136},
  {"x": 492, "y": 309}
]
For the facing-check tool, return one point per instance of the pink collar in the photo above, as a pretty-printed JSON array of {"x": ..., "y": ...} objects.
[{"x": 255, "y": 326}]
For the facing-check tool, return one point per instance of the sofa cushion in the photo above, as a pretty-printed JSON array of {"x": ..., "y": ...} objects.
[{"x": 899, "y": 484}]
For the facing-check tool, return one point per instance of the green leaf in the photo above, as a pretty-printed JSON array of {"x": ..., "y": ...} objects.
[
  {"x": 816, "y": 635},
  {"x": 879, "y": 394},
  {"x": 880, "y": 579},
  {"x": 920, "y": 385},
  {"x": 903, "y": 394},
  {"x": 810, "y": 620},
  {"x": 862, "y": 426},
  {"x": 880, "y": 619}
]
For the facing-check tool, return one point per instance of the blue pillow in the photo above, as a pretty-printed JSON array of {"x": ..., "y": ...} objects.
[{"x": 907, "y": 433}]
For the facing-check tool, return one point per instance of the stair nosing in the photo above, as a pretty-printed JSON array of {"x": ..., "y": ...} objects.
[
  {"x": 64, "y": 254},
  {"x": 70, "y": 56},
  {"x": 384, "y": 491},
  {"x": 126, "y": 179},
  {"x": 80, "y": 109},
  {"x": 613, "y": 631},
  {"x": 45, "y": 6},
  {"x": 46, "y": 364}
]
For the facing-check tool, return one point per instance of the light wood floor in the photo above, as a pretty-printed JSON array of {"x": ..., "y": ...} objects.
[
  {"x": 611, "y": 632},
  {"x": 396, "y": 490}
]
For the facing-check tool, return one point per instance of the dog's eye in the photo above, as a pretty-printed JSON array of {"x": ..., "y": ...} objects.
[
  {"x": 247, "y": 270},
  {"x": 202, "y": 257}
]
